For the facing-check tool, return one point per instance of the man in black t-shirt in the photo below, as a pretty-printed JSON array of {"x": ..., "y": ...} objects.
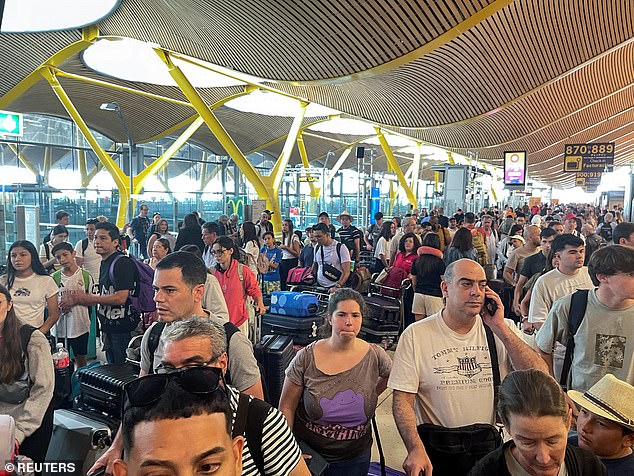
[
  {"x": 534, "y": 264},
  {"x": 350, "y": 235},
  {"x": 115, "y": 312}
]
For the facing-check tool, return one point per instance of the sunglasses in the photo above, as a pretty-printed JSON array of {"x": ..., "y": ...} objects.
[
  {"x": 148, "y": 389},
  {"x": 218, "y": 252}
]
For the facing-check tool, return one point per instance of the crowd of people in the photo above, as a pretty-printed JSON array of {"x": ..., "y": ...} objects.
[{"x": 521, "y": 319}]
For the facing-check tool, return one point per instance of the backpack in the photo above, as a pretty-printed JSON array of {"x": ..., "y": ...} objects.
[
  {"x": 578, "y": 306},
  {"x": 250, "y": 417},
  {"x": 243, "y": 257},
  {"x": 394, "y": 279},
  {"x": 142, "y": 297},
  {"x": 47, "y": 251},
  {"x": 57, "y": 277},
  {"x": 606, "y": 230},
  {"x": 84, "y": 246}
]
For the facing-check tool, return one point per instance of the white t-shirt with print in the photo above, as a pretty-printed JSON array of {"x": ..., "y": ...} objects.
[
  {"x": 92, "y": 261},
  {"x": 330, "y": 257},
  {"x": 77, "y": 321},
  {"x": 450, "y": 373},
  {"x": 382, "y": 249},
  {"x": 554, "y": 285},
  {"x": 29, "y": 297}
]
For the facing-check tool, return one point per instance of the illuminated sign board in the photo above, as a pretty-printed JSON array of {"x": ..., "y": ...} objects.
[{"x": 515, "y": 168}]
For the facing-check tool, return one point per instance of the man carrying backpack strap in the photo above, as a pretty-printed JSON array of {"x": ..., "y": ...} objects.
[
  {"x": 119, "y": 284},
  {"x": 332, "y": 260},
  {"x": 597, "y": 327}
]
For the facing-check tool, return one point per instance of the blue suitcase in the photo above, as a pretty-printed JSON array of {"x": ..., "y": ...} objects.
[{"x": 290, "y": 303}]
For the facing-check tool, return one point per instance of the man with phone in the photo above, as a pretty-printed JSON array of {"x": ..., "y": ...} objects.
[{"x": 444, "y": 370}]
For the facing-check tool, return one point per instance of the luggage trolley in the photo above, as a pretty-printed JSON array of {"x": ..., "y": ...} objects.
[{"x": 386, "y": 312}]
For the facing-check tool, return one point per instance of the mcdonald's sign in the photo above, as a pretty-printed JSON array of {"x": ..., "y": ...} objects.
[{"x": 236, "y": 205}]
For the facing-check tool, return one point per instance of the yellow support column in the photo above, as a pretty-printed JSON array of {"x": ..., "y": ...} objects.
[
  {"x": 24, "y": 159},
  {"x": 314, "y": 191},
  {"x": 119, "y": 177},
  {"x": 391, "y": 160},
  {"x": 48, "y": 159},
  {"x": 159, "y": 163},
  {"x": 416, "y": 171}
]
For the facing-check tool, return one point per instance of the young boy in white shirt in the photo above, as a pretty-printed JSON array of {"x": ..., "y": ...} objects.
[{"x": 73, "y": 325}]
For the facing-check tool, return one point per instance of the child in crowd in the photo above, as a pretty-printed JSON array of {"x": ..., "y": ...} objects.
[
  {"x": 271, "y": 280},
  {"x": 73, "y": 326}
]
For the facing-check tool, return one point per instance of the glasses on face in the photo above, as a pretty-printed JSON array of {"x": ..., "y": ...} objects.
[
  {"x": 168, "y": 369},
  {"x": 218, "y": 252},
  {"x": 199, "y": 380}
]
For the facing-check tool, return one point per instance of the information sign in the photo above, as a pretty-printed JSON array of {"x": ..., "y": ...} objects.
[
  {"x": 11, "y": 123},
  {"x": 588, "y": 157}
]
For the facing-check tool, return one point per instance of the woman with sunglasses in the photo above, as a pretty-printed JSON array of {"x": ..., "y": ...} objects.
[
  {"x": 332, "y": 387},
  {"x": 237, "y": 282},
  {"x": 26, "y": 380},
  {"x": 31, "y": 288}
]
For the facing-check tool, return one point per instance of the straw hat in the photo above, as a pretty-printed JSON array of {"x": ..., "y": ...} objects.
[
  {"x": 344, "y": 214},
  {"x": 517, "y": 237},
  {"x": 609, "y": 398}
]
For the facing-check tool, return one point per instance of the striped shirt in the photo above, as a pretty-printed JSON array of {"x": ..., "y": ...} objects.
[
  {"x": 280, "y": 450},
  {"x": 349, "y": 236}
]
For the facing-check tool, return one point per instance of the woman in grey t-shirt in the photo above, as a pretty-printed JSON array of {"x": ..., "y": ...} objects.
[{"x": 332, "y": 386}]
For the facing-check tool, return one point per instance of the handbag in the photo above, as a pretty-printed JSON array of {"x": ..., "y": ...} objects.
[
  {"x": 456, "y": 450},
  {"x": 329, "y": 271}
]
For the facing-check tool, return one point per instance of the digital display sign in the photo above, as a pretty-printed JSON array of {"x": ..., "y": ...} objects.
[{"x": 515, "y": 168}]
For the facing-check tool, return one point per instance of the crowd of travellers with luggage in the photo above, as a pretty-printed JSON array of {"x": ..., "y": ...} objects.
[{"x": 302, "y": 330}]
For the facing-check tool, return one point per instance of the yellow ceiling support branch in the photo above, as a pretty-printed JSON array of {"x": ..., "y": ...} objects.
[
  {"x": 282, "y": 162},
  {"x": 263, "y": 185},
  {"x": 83, "y": 168},
  {"x": 48, "y": 159},
  {"x": 436, "y": 180},
  {"x": 119, "y": 177},
  {"x": 24, "y": 159},
  {"x": 140, "y": 179},
  {"x": 339, "y": 163},
  {"x": 314, "y": 191},
  {"x": 391, "y": 160},
  {"x": 452, "y": 161},
  {"x": 88, "y": 35},
  {"x": 204, "y": 180},
  {"x": 303, "y": 128},
  {"x": 416, "y": 170}
]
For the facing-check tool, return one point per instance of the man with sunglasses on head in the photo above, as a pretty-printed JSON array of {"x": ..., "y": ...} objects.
[
  {"x": 179, "y": 282},
  {"x": 186, "y": 411},
  {"x": 270, "y": 447}
]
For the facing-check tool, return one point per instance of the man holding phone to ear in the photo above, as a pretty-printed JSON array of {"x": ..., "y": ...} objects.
[{"x": 443, "y": 373}]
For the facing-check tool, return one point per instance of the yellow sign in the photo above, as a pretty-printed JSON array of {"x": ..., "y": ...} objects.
[
  {"x": 580, "y": 182},
  {"x": 572, "y": 163}
]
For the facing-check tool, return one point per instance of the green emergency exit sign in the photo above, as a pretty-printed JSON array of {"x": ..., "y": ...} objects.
[{"x": 11, "y": 123}]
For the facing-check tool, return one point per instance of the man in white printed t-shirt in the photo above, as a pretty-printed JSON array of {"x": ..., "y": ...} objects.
[
  {"x": 86, "y": 256},
  {"x": 442, "y": 372},
  {"x": 332, "y": 259}
]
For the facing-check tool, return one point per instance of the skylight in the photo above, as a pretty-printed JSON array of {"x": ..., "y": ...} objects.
[
  {"x": 29, "y": 16},
  {"x": 271, "y": 104},
  {"x": 345, "y": 126},
  {"x": 134, "y": 60}
]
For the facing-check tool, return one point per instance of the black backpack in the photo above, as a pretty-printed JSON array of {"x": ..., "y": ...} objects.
[{"x": 578, "y": 306}]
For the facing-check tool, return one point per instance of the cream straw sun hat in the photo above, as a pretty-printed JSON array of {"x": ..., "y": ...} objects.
[{"x": 609, "y": 398}]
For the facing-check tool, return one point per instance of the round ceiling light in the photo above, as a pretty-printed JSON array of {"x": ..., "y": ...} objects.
[
  {"x": 271, "y": 104},
  {"x": 345, "y": 126}
]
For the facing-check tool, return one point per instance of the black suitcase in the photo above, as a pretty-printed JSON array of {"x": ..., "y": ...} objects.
[
  {"x": 383, "y": 309},
  {"x": 79, "y": 437},
  {"x": 378, "y": 332},
  {"x": 303, "y": 330},
  {"x": 274, "y": 354},
  {"x": 101, "y": 388}
]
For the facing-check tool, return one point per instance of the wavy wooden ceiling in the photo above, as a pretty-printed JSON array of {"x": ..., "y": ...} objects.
[{"x": 467, "y": 75}]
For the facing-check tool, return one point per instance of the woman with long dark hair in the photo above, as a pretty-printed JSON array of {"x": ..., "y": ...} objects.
[
  {"x": 31, "y": 288},
  {"x": 461, "y": 247},
  {"x": 161, "y": 230},
  {"x": 290, "y": 251},
  {"x": 190, "y": 233},
  {"x": 250, "y": 244},
  {"x": 382, "y": 250},
  {"x": 427, "y": 274},
  {"x": 27, "y": 380},
  {"x": 332, "y": 386}
]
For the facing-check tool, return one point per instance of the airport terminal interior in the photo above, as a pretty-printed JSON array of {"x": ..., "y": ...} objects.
[{"x": 270, "y": 130}]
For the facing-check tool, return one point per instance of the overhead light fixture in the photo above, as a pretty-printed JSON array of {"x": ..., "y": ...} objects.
[
  {"x": 134, "y": 60},
  {"x": 271, "y": 104},
  {"x": 109, "y": 106},
  {"x": 345, "y": 126},
  {"x": 30, "y": 16}
]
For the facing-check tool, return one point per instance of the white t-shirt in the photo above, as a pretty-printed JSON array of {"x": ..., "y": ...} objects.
[
  {"x": 554, "y": 285},
  {"x": 604, "y": 342},
  {"x": 29, "y": 297},
  {"x": 43, "y": 248},
  {"x": 382, "y": 249},
  {"x": 92, "y": 261},
  {"x": 330, "y": 257},
  {"x": 450, "y": 373},
  {"x": 253, "y": 251},
  {"x": 78, "y": 319},
  {"x": 287, "y": 254}
]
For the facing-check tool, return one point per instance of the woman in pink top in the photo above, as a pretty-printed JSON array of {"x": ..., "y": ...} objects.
[
  {"x": 235, "y": 292},
  {"x": 408, "y": 246}
]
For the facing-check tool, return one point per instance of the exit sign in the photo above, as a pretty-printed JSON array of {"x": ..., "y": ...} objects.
[{"x": 11, "y": 123}]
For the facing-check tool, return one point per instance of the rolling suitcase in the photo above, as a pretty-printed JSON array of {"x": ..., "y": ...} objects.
[
  {"x": 274, "y": 354},
  {"x": 101, "y": 388},
  {"x": 379, "y": 332},
  {"x": 80, "y": 437},
  {"x": 383, "y": 309},
  {"x": 303, "y": 330},
  {"x": 289, "y": 303}
]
